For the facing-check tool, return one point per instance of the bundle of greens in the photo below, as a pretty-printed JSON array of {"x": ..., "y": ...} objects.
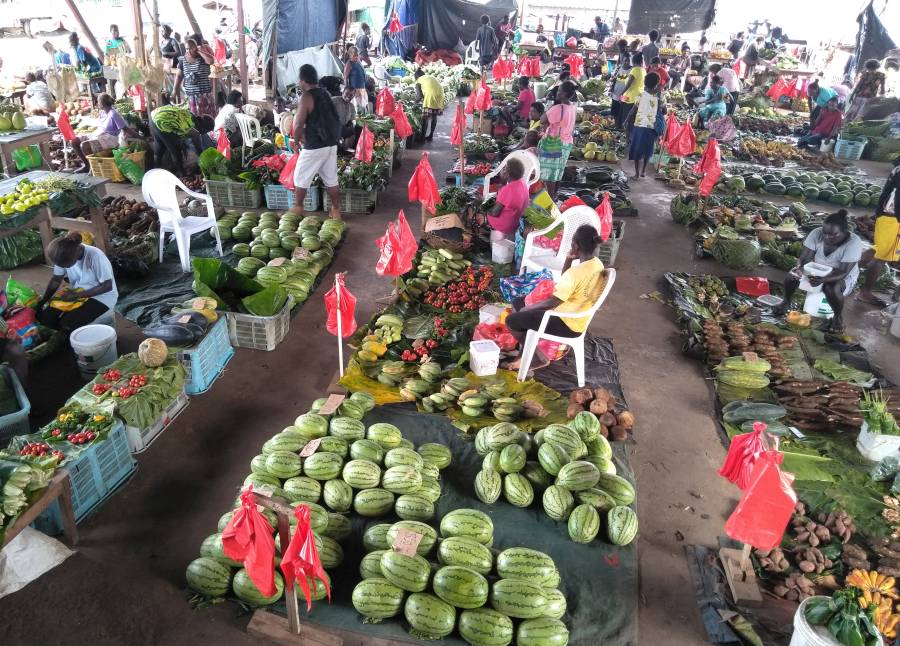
[
  {"x": 17, "y": 480},
  {"x": 173, "y": 119},
  {"x": 368, "y": 177},
  {"x": 878, "y": 417},
  {"x": 845, "y": 619},
  {"x": 839, "y": 372}
]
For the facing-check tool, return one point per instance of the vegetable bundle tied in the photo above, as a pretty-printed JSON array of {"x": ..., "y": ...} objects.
[{"x": 173, "y": 119}]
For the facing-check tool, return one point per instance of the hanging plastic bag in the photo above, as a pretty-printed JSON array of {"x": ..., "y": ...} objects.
[
  {"x": 605, "y": 211},
  {"x": 408, "y": 242},
  {"x": 64, "y": 125},
  {"x": 300, "y": 561},
  {"x": 496, "y": 332},
  {"x": 422, "y": 187},
  {"x": 395, "y": 27},
  {"x": 541, "y": 292},
  {"x": 248, "y": 538},
  {"x": 576, "y": 65},
  {"x": 472, "y": 99},
  {"x": 345, "y": 307},
  {"x": 286, "y": 176},
  {"x": 574, "y": 200},
  {"x": 483, "y": 98},
  {"x": 389, "y": 246},
  {"x": 672, "y": 130},
  {"x": 459, "y": 127},
  {"x": 27, "y": 157},
  {"x": 128, "y": 167},
  {"x": 364, "y": 145},
  {"x": 765, "y": 509},
  {"x": 710, "y": 167},
  {"x": 401, "y": 123},
  {"x": 535, "y": 66},
  {"x": 742, "y": 455},
  {"x": 219, "y": 55},
  {"x": 685, "y": 141},
  {"x": 778, "y": 88},
  {"x": 385, "y": 103},
  {"x": 223, "y": 145}
]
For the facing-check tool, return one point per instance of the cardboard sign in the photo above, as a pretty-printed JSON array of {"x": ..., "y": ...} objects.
[
  {"x": 331, "y": 404},
  {"x": 310, "y": 447},
  {"x": 277, "y": 262},
  {"x": 750, "y": 357},
  {"x": 448, "y": 221},
  {"x": 184, "y": 319},
  {"x": 406, "y": 542},
  {"x": 199, "y": 304},
  {"x": 300, "y": 253}
]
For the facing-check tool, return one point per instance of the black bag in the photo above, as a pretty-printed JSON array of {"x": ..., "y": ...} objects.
[{"x": 326, "y": 125}]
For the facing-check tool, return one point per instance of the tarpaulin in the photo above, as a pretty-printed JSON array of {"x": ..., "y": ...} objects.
[
  {"x": 300, "y": 24},
  {"x": 673, "y": 16},
  {"x": 408, "y": 11},
  {"x": 872, "y": 40},
  {"x": 446, "y": 24},
  {"x": 288, "y": 65}
]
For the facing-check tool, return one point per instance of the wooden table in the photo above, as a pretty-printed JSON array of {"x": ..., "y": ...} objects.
[
  {"x": 60, "y": 488},
  {"x": 31, "y": 135}
]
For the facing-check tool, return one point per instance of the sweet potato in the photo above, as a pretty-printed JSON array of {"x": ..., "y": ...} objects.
[
  {"x": 573, "y": 409},
  {"x": 581, "y": 396}
]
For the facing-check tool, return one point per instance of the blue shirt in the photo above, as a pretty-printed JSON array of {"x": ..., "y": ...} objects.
[
  {"x": 824, "y": 96},
  {"x": 357, "y": 77},
  {"x": 62, "y": 58},
  {"x": 84, "y": 57}
]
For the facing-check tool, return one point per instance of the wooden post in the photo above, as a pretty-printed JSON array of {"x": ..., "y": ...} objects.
[
  {"x": 190, "y": 16},
  {"x": 139, "y": 49},
  {"x": 87, "y": 30},
  {"x": 273, "y": 75},
  {"x": 242, "y": 48}
]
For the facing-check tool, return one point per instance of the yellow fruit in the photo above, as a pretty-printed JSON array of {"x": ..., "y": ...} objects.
[
  {"x": 366, "y": 356},
  {"x": 590, "y": 154}
]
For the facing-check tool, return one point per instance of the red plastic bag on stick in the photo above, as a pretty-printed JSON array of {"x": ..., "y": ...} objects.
[
  {"x": 343, "y": 306},
  {"x": 742, "y": 455},
  {"x": 535, "y": 69},
  {"x": 500, "y": 69},
  {"x": 301, "y": 561},
  {"x": 605, "y": 211},
  {"x": 672, "y": 130},
  {"x": 219, "y": 55},
  {"x": 765, "y": 509},
  {"x": 778, "y": 88},
  {"x": 401, "y": 124},
  {"x": 364, "y": 145},
  {"x": 496, "y": 332},
  {"x": 685, "y": 141},
  {"x": 286, "y": 176},
  {"x": 408, "y": 242},
  {"x": 385, "y": 103},
  {"x": 248, "y": 538},
  {"x": 710, "y": 166},
  {"x": 576, "y": 65},
  {"x": 472, "y": 99},
  {"x": 483, "y": 98},
  {"x": 395, "y": 27},
  {"x": 524, "y": 66},
  {"x": 222, "y": 143},
  {"x": 459, "y": 126},
  {"x": 64, "y": 125},
  {"x": 422, "y": 186}
]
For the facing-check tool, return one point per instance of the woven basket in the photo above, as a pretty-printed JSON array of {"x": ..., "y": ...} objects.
[{"x": 104, "y": 165}]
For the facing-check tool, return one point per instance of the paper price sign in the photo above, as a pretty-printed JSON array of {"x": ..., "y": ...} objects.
[
  {"x": 277, "y": 262},
  {"x": 331, "y": 404},
  {"x": 300, "y": 253},
  {"x": 406, "y": 542},
  {"x": 310, "y": 447}
]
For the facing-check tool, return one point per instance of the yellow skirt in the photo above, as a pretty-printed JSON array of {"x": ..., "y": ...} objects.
[{"x": 887, "y": 229}]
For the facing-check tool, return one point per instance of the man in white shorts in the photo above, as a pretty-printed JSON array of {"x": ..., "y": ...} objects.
[{"x": 317, "y": 130}]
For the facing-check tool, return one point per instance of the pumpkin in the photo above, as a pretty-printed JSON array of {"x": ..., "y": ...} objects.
[{"x": 153, "y": 352}]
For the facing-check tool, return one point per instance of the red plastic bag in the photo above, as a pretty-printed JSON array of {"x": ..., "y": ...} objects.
[
  {"x": 685, "y": 141},
  {"x": 496, "y": 332},
  {"x": 571, "y": 41},
  {"x": 286, "y": 176},
  {"x": 672, "y": 130},
  {"x": 576, "y": 65},
  {"x": 401, "y": 124},
  {"x": 385, "y": 103},
  {"x": 398, "y": 248},
  {"x": 542, "y": 291},
  {"x": 422, "y": 187},
  {"x": 343, "y": 306},
  {"x": 501, "y": 69},
  {"x": 752, "y": 285},
  {"x": 535, "y": 66},
  {"x": 219, "y": 55},
  {"x": 710, "y": 166},
  {"x": 483, "y": 98},
  {"x": 395, "y": 27},
  {"x": 64, "y": 125},
  {"x": 765, "y": 509},
  {"x": 459, "y": 126},
  {"x": 222, "y": 143},
  {"x": 569, "y": 203},
  {"x": 778, "y": 88},
  {"x": 605, "y": 211},
  {"x": 408, "y": 242},
  {"x": 472, "y": 99},
  {"x": 248, "y": 538},
  {"x": 301, "y": 560},
  {"x": 364, "y": 145},
  {"x": 742, "y": 455}
]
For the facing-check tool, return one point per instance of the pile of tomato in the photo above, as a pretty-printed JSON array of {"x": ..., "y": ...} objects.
[
  {"x": 465, "y": 294},
  {"x": 41, "y": 450},
  {"x": 135, "y": 383},
  {"x": 423, "y": 347}
]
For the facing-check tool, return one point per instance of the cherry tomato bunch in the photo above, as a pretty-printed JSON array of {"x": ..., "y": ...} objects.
[
  {"x": 112, "y": 375},
  {"x": 100, "y": 389},
  {"x": 125, "y": 392},
  {"x": 82, "y": 437},
  {"x": 423, "y": 347},
  {"x": 137, "y": 381},
  {"x": 466, "y": 293},
  {"x": 40, "y": 450}
]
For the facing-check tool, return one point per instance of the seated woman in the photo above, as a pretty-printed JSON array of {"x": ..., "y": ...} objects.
[
  {"x": 534, "y": 116},
  {"x": 834, "y": 245},
  {"x": 715, "y": 98},
  {"x": 225, "y": 119},
  {"x": 512, "y": 199},
  {"x": 577, "y": 290},
  {"x": 106, "y": 136},
  {"x": 89, "y": 274},
  {"x": 38, "y": 99}
]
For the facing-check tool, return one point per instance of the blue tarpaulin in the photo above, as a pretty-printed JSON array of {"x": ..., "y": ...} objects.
[
  {"x": 300, "y": 24},
  {"x": 408, "y": 12}
]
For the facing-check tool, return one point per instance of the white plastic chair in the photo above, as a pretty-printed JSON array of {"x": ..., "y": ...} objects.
[
  {"x": 159, "y": 189},
  {"x": 251, "y": 131},
  {"x": 528, "y": 159},
  {"x": 536, "y": 258},
  {"x": 472, "y": 53},
  {"x": 576, "y": 343}
]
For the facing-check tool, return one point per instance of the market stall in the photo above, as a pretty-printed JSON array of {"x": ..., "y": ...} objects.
[{"x": 31, "y": 135}]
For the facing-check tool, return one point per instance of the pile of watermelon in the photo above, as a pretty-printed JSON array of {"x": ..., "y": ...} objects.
[
  {"x": 459, "y": 595},
  {"x": 569, "y": 463},
  {"x": 370, "y": 471}
]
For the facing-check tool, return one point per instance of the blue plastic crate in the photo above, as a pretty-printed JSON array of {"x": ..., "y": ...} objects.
[
  {"x": 205, "y": 362},
  {"x": 15, "y": 423},
  {"x": 95, "y": 475}
]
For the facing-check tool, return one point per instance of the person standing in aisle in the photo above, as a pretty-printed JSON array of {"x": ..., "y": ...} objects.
[
  {"x": 634, "y": 85},
  {"x": 430, "y": 92},
  {"x": 620, "y": 78},
  {"x": 730, "y": 82},
  {"x": 317, "y": 131},
  {"x": 115, "y": 47},
  {"x": 355, "y": 80},
  {"x": 364, "y": 44},
  {"x": 736, "y": 45},
  {"x": 171, "y": 51},
  {"x": 751, "y": 57},
  {"x": 600, "y": 32},
  {"x": 193, "y": 76},
  {"x": 617, "y": 26},
  {"x": 871, "y": 83},
  {"x": 84, "y": 59},
  {"x": 502, "y": 31},
  {"x": 643, "y": 134},
  {"x": 651, "y": 49},
  {"x": 658, "y": 67},
  {"x": 486, "y": 41},
  {"x": 556, "y": 144}
]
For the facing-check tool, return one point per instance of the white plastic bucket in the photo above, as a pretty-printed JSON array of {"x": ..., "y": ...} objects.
[
  {"x": 95, "y": 348},
  {"x": 817, "y": 305},
  {"x": 875, "y": 446},
  {"x": 484, "y": 357},
  {"x": 806, "y": 634},
  {"x": 502, "y": 251}
]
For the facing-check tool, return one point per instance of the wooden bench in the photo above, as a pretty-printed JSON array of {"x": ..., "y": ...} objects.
[{"x": 60, "y": 488}]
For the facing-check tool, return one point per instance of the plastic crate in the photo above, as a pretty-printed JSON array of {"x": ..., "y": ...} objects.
[
  {"x": 225, "y": 193},
  {"x": 278, "y": 198},
  {"x": 140, "y": 438},
  {"x": 95, "y": 475},
  {"x": 103, "y": 164},
  {"x": 850, "y": 148},
  {"x": 15, "y": 423},
  {"x": 353, "y": 200},
  {"x": 259, "y": 332},
  {"x": 607, "y": 251},
  {"x": 205, "y": 361}
]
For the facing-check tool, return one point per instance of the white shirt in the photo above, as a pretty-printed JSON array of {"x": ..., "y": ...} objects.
[
  {"x": 224, "y": 112},
  {"x": 88, "y": 272},
  {"x": 730, "y": 81},
  {"x": 648, "y": 104}
]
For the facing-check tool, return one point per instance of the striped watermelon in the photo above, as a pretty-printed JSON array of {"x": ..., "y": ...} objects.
[
  {"x": 460, "y": 586},
  {"x": 517, "y": 490},
  {"x": 543, "y": 631},
  {"x": 283, "y": 442},
  {"x": 617, "y": 487},
  {"x": 350, "y": 408},
  {"x": 208, "y": 576},
  {"x": 621, "y": 525},
  {"x": 538, "y": 438},
  {"x": 528, "y": 565},
  {"x": 312, "y": 424},
  {"x": 401, "y": 479},
  {"x": 556, "y": 604},
  {"x": 334, "y": 445},
  {"x": 414, "y": 507},
  {"x": 537, "y": 476},
  {"x": 302, "y": 488},
  {"x": 406, "y": 444},
  {"x": 485, "y": 627},
  {"x": 586, "y": 425},
  {"x": 302, "y": 435},
  {"x": 284, "y": 464},
  {"x": 604, "y": 465},
  {"x": 367, "y": 450},
  {"x": 518, "y": 599},
  {"x": 403, "y": 457},
  {"x": 338, "y": 495},
  {"x": 467, "y": 552},
  {"x": 584, "y": 524},
  {"x": 361, "y": 474},
  {"x": 429, "y": 616},
  {"x": 258, "y": 465},
  {"x": 262, "y": 482},
  {"x": 526, "y": 441},
  {"x": 246, "y": 591},
  {"x": 500, "y": 435},
  {"x": 429, "y": 470},
  {"x": 512, "y": 458},
  {"x": 338, "y": 528},
  {"x": 480, "y": 446},
  {"x": 330, "y": 551},
  {"x": 323, "y": 466},
  {"x": 600, "y": 446},
  {"x": 386, "y": 435},
  {"x": 430, "y": 489},
  {"x": 370, "y": 565},
  {"x": 578, "y": 475},
  {"x": 552, "y": 457},
  {"x": 597, "y": 498},
  {"x": 429, "y": 534},
  {"x": 211, "y": 547},
  {"x": 363, "y": 399},
  {"x": 491, "y": 461},
  {"x": 468, "y": 522},
  {"x": 436, "y": 454},
  {"x": 488, "y": 485},
  {"x": 347, "y": 428},
  {"x": 567, "y": 438},
  {"x": 376, "y": 598},
  {"x": 375, "y": 537},
  {"x": 317, "y": 588},
  {"x": 373, "y": 502},
  {"x": 410, "y": 573}
]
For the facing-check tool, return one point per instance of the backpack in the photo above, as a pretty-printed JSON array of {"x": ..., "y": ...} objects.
[{"x": 328, "y": 124}]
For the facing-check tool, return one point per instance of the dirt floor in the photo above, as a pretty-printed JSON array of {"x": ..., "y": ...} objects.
[{"x": 125, "y": 584}]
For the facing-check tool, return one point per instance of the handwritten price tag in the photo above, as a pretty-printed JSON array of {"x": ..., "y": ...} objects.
[
  {"x": 751, "y": 357},
  {"x": 406, "y": 542},
  {"x": 331, "y": 404},
  {"x": 198, "y": 304},
  {"x": 184, "y": 319},
  {"x": 277, "y": 262},
  {"x": 310, "y": 447},
  {"x": 300, "y": 253}
]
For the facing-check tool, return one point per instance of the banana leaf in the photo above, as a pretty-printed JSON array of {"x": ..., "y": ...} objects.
[
  {"x": 355, "y": 380},
  {"x": 20, "y": 248},
  {"x": 233, "y": 291}
]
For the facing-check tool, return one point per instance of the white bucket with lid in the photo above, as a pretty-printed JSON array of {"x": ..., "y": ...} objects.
[
  {"x": 805, "y": 634},
  {"x": 95, "y": 348},
  {"x": 502, "y": 251},
  {"x": 816, "y": 304},
  {"x": 484, "y": 357}
]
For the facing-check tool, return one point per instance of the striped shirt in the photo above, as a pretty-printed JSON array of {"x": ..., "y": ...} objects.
[{"x": 196, "y": 76}]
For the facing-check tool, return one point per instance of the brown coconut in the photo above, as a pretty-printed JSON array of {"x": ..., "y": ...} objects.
[
  {"x": 602, "y": 394},
  {"x": 573, "y": 409},
  {"x": 581, "y": 396},
  {"x": 626, "y": 419},
  {"x": 618, "y": 433},
  {"x": 598, "y": 407},
  {"x": 608, "y": 419}
]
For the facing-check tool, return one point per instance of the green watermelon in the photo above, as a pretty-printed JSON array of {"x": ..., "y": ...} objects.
[
  {"x": 410, "y": 573},
  {"x": 428, "y": 533},
  {"x": 377, "y": 598},
  {"x": 338, "y": 495},
  {"x": 543, "y": 631},
  {"x": 375, "y": 537},
  {"x": 584, "y": 524},
  {"x": 208, "y": 576},
  {"x": 460, "y": 587},
  {"x": 429, "y": 616},
  {"x": 245, "y": 590},
  {"x": 467, "y": 552},
  {"x": 488, "y": 485},
  {"x": 370, "y": 565},
  {"x": 517, "y": 490},
  {"x": 485, "y": 627},
  {"x": 621, "y": 525},
  {"x": 558, "y": 502},
  {"x": 528, "y": 565},
  {"x": 518, "y": 599},
  {"x": 468, "y": 522}
]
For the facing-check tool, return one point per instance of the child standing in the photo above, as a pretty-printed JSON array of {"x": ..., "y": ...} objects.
[
  {"x": 512, "y": 199},
  {"x": 643, "y": 135}
]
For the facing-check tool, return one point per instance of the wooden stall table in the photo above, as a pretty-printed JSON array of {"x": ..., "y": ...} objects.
[
  {"x": 59, "y": 488},
  {"x": 31, "y": 135}
]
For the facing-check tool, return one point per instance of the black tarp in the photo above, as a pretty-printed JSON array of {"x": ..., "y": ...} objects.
[
  {"x": 872, "y": 41},
  {"x": 670, "y": 16},
  {"x": 444, "y": 23}
]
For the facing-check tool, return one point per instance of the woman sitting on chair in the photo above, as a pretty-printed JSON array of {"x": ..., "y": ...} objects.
[
  {"x": 90, "y": 277},
  {"x": 578, "y": 289}
]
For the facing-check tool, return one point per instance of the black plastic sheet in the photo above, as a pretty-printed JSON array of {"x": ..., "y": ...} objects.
[
  {"x": 872, "y": 41},
  {"x": 442, "y": 25},
  {"x": 601, "y": 369},
  {"x": 670, "y": 16}
]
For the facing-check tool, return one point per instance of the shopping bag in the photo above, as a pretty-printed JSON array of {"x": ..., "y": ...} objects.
[
  {"x": 742, "y": 455},
  {"x": 541, "y": 292},
  {"x": 576, "y": 65},
  {"x": 300, "y": 561},
  {"x": 389, "y": 246},
  {"x": 385, "y": 103},
  {"x": 64, "y": 125},
  {"x": 364, "y": 145},
  {"x": 496, "y": 332},
  {"x": 765, "y": 509},
  {"x": 343, "y": 305},
  {"x": 401, "y": 123},
  {"x": 395, "y": 27},
  {"x": 459, "y": 127},
  {"x": 27, "y": 157},
  {"x": 219, "y": 54},
  {"x": 408, "y": 242},
  {"x": 222, "y": 143},
  {"x": 127, "y": 166},
  {"x": 574, "y": 200},
  {"x": 422, "y": 186},
  {"x": 778, "y": 88},
  {"x": 534, "y": 66},
  {"x": 286, "y": 176},
  {"x": 498, "y": 70},
  {"x": 672, "y": 130},
  {"x": 605, "y": 211},
  {"x": 685, "y": 141},
  {"x": 248, "y": 538},
  {"x": 472, "y": 99},
  {"x": 710, "y": 167}
]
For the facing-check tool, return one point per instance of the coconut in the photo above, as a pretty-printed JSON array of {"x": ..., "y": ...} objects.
[{"x": 625, "y": 419}]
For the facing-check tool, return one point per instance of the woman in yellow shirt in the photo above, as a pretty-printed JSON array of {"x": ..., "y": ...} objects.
[
  {"x": 578, "y": 289},
  {"x": 635, "y": 83},
  {"x": 430, "y": 92}
]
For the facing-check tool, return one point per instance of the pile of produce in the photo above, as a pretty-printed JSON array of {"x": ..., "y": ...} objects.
[
  {"x": 820, "y": 405},
  {"x": 185, "y": 325},
  {"x": 732, "y": 338},
  {"x": 473, "y": 170},
  {"x": 570, "y": 464},
  {"x": 12, "y": 119},
  {"x": 436, "y": 267},
  {"x": 467, "y": 293},
  {"x": 835, "y": 188},
  {"x": 475, "y": 145},
  {"x": 76, "y": 425},
  {"x": 732, "y": 250},
  {"x": 776, "y": 153},
  {"x": 766, "y": 122},
  {"x": 215, "y": 166},
  {"x": 842, "y": 372},
  {"x": 876, "y": 414},
  {"x": 133, "y": 227},
  {"x": 737, "y": 378},
  {"x": 457, "y": 593},
  {"x": 173, "y": 119},
  {"x": 367, "y": 177},
  {"x": 26, "y": 195},
  {"x": 20, "y": 478},
  {"x": 615, "y": 424}
]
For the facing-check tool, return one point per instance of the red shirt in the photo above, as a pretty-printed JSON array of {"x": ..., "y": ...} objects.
[
  {"x": 526, "y": 98},
  {"x": 829, "y": 123},
  {"x": 661, "y": 72}
]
